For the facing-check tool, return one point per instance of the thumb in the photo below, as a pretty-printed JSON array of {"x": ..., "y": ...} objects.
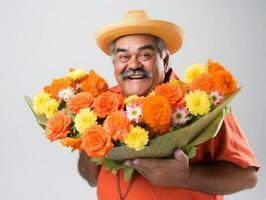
[{"x": 181, "y": 156}]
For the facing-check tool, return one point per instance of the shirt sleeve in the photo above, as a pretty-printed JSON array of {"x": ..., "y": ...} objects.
[{"x": 230, "y": 145}]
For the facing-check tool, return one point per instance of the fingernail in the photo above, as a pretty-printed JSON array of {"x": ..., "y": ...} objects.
[{"x": 135, "y": 162}]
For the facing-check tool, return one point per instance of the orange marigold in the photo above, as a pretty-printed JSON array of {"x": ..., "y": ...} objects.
[
  {"x": 224, "y": 82},
  {"x": 96, "y": 141},
  {"x": 172, "y": 92},
  {"x": 214, "y": 66},
  {"x": 106, "y": 103},
  {"x": 58, "y": 126},
  {"x": 57, "y": 85},
  {"x": 93, "y": 83},
  {"x": 79, "y": 101},
  {"x": 203, "y": 82},
  {"x": 74, "y": 143},
  {"x": 156, "y": 113},
  {"x": 117, "y": 125}
]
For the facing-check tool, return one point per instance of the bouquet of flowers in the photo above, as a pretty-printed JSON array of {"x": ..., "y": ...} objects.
[{"x": 80, "y": 111}]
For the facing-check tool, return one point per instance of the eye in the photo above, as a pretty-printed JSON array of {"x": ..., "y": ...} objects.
[
  {"x": 123, "y": 57},
  {"x": 145, "y": 56}
]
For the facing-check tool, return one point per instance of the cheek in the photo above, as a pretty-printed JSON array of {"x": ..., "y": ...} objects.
[
  {"x": 157, "y": 70},
  {"x": 118, "y": 69}
]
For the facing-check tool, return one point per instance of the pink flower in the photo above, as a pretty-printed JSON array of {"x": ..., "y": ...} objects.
[
  {"x": 180, "y": 116},
  {"x": 216, "y": 98}
]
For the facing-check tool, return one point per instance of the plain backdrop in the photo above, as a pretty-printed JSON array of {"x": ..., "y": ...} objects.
[{"x": 40, "y": 39}]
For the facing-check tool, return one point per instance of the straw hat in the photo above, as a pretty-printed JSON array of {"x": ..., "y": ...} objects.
[{"x": 138, "y": 22}]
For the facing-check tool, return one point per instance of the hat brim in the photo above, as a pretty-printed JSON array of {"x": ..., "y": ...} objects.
[{"x": 170, "y": 33}]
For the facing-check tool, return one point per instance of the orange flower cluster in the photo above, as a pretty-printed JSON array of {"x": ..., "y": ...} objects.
[
  {"x": 205, "y": 82},
  {"x": 217, "y": 79},
  {"x": 214, "y": 66},
  {"x": 88, "y": 117},
  {"x": 225, "y": 82},
  {"x": 57, "y": 85},
  {"x": 156, "y": 113},
  {"x": 93, "y": 83}
]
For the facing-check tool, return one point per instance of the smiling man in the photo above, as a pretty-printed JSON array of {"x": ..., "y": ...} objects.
[{"x": 140, "y": 49}]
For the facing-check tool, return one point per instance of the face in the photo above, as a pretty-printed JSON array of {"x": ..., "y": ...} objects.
[{"x": 138, "y": 64}]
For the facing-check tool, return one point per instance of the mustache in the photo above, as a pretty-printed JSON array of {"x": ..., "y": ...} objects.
[{"x": 135, "y": 72}]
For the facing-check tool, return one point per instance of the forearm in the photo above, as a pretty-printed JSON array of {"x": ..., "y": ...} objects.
[
  {"x": 220, "y": 178},
  {"x": 88, "y": 169}
]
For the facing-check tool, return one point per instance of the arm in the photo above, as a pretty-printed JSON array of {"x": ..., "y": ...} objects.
[
  {"x": 218, "y": 178},
  {"x": 88, "y": 169}
]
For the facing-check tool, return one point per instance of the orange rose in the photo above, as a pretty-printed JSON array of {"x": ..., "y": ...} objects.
[
  {"x": 79, "y": 101},
  {"x": 57, "y": 85},
  {"x": 74, "y": 143},
  {"x": 96, "y": 141},
  {"x": 58, "y": 126},
  {"x": 172, "y": 92},
  {"x": 93, "y": 83},
  {"x": 117, "y": 125},
  {"x": 106, "y": 103}
]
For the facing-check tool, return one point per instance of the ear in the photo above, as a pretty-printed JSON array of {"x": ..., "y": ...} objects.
[{"x": 166, "y": 62}]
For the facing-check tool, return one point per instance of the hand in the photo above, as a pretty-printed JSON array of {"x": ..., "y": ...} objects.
[{"x": 173, "y": 172}]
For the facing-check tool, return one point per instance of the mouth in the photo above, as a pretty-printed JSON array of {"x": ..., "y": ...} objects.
[{"x": 136, "y": 77}]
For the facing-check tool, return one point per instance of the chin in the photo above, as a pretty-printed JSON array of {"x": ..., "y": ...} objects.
[{"x": 140, "y": 92}]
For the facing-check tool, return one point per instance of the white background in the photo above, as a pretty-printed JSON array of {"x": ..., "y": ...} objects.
[{"x": 40, "y": 39}]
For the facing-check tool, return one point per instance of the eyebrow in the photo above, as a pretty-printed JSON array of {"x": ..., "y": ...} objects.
[{"x": 148, "y": 46}]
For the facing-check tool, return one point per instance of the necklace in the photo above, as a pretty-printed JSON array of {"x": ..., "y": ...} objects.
[{"x": 122, "y": 196}]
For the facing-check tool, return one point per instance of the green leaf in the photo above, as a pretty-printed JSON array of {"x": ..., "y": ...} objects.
[
  {"x": 198, "y": 132},
  {"x": 97, "y": 160},
  {"x": 113, "y": 165},
  {"x": 41, "y": 119},
  {"x": 128, "y": 172}
]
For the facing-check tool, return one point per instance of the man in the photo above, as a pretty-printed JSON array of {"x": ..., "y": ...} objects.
[{"x": 140, "y": 50}]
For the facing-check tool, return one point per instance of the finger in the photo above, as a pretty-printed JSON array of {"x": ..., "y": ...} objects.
[{"x": 181, "y": 156}]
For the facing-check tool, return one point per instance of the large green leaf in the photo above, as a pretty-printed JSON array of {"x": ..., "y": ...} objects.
[
  {"x": 41, "y": 119},
  {"x": 162, "y": 146}
]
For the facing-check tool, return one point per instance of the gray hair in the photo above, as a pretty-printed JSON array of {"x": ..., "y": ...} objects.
[{"x": 159, "y": 44}]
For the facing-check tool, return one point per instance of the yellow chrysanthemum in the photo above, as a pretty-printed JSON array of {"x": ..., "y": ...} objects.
[
  {"x": 50, "y": 108},
  {"x": 85, "y": 119},
  {"x": 193, "y": 71},
  {"x": 39, "y": 100},
  {"x": 76, "y": 74},
  {"x": 198, "y": 102},
  {"x": 137, "y": 138}
]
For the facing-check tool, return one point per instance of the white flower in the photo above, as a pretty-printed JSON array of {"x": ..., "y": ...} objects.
[{"x": 65, "y": 94}]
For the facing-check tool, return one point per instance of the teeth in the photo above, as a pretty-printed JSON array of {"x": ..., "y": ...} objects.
[{"x": 137, "y": 77}]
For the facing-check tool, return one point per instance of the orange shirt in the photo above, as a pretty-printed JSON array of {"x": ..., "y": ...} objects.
[{"x": 230, "y": 145}]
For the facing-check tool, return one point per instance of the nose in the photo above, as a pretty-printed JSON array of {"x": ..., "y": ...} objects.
[{"x": 134, "y": 63}]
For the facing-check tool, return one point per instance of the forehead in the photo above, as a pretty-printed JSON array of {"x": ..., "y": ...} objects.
[{"x": 135, "y": 41}]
